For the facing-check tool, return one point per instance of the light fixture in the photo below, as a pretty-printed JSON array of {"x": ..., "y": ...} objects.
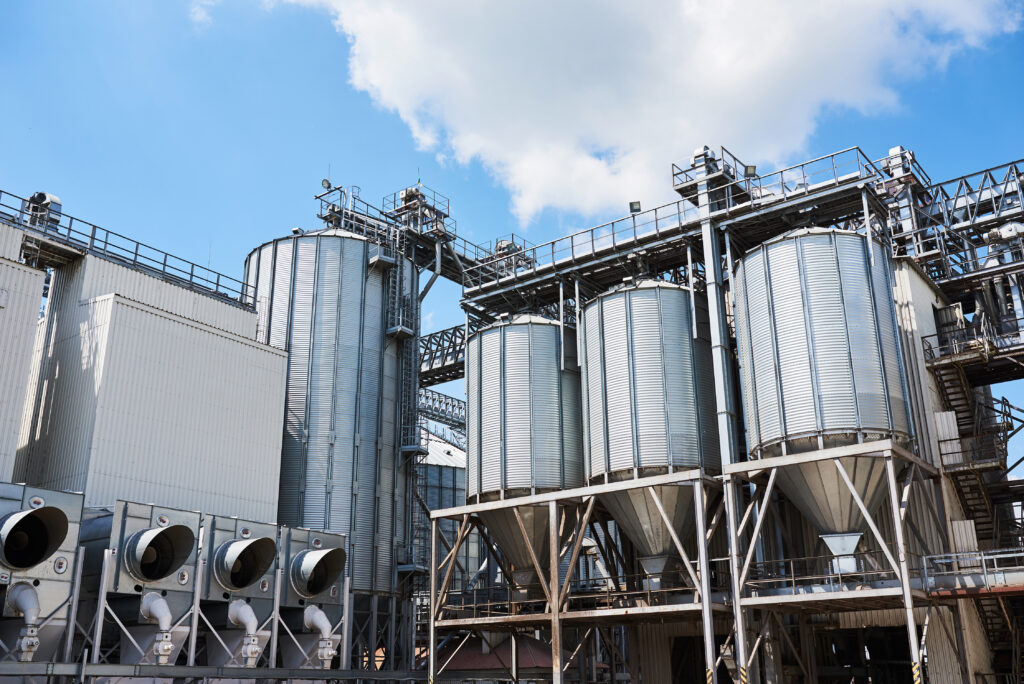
[
  {"x": 634, "y": 207},
  {"x": 749, "y": 170},
  {"x": 325, "y": 184}
]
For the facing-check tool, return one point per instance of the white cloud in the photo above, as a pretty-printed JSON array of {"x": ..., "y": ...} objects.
[
  {"x": 582, "y": 105},
  {"x": 199, "y": 12}
]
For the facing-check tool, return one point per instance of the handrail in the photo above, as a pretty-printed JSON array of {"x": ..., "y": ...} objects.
[{"x": 89, "y": 238}]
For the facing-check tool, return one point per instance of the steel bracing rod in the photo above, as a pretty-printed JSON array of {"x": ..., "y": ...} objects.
[
  {"x": 721, "y": 651},
  {"x": 493, "y": 650},
  {"x": 101, "y": 606},
  {"x": 533, "y": 555},
  {"x": 615, "y": 549},
  {"x": 492, "y": 550},
  {"x": 905, "y": 495},
  {"x": 556, "y": 625},
  {"x": 757, "y": 644},
  {"x": 789, "y": 642},
  {"x": 197, "y": 583},
  {"x": 707, "y": 619},
  {"x": 715, "y": 519},
  {"x": 450, "y": 571},
  {"x": 444, "y": 540},
  {"x": 867, "y": 516},
  {"x": 579, "y": 647},
  {"x": 761, "y": 517},
  {"x": 675, "y": 539},
  {"x": 73, "y": 608},
  {"x": 458, "y": 648},
  {"x": 749, "y": 511},
  {"x": 577, "y": 545},
  {"x": 924, "y": 631},
  {"x": 903, "y": 570}
]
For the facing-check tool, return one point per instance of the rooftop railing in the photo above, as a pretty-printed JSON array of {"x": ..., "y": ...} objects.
[{"x": 88, "y": 238}]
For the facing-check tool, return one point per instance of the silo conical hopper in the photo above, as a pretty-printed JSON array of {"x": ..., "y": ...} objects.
[
  {"x": 523, "y": 420},
  {"x": 648, "y": 407},
  {"x": 820, "y": 367}
]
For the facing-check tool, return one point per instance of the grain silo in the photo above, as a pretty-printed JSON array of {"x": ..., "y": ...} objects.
[
  {"x": 648, "y": 391},
  {"x": 524, "y": 431},
  {"x": 340, "y": 305},
  {"x": 820, "y": 367}
]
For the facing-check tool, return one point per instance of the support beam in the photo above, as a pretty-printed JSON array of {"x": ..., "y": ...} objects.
[
  {"x": 574, "y": 557},
  {"x": 675, "y": 538},
  {"x": 556, "y": 626},
  {"x": 904, "y": 572},
  {"x": 867, "y": 514},
  {"x": 707, "y": 619},
  {"x": 762, "y": 516},
  {"x": 533, "y": 555}
]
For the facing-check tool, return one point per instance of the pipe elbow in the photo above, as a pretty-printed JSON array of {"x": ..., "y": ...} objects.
[
  {"x": 154, "y": 607},
  {"x": 316, "y": 620},
  {"x": 25, "y": 600},
  {"x": 242, "y": 615}
]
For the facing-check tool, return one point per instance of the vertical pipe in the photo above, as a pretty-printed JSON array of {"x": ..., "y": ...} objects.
[
  {"x": 705, "y": 583},
  {"x": 432, "y": 628},
  {"x": 901, "y": 550},
  {"x": 556, "y": 626},
  {"x": 724, "y": 400}
]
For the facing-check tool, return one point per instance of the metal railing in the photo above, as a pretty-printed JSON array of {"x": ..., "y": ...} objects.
[
  {"x": 975, "y": 197},
  {"x": 998, "y": 569},
  {"x": 796, "y": 574},
  {"x": 584, "y": 244},
  {"x": 88, "y": 238},
  {"x": 982, "y": 340}
]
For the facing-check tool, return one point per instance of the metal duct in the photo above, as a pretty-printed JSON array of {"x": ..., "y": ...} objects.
[
  {"x": 30, "y": 537},
  {"x": 241, "y": 563},
  {"x": 153, "y": 554},
  {"x": 313, "y": 572}
]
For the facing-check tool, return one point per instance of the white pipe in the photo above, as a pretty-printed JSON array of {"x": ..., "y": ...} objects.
[
  {"x": 154, "y": 607},
  {"x": 315, "y": 619},
  {"x": 241, "y": 614},
  {"x": 24, "y": 598}
]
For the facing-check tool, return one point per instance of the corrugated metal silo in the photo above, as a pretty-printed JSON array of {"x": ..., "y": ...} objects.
[
  {"x": 524, "y": 427},
  {"x": 324, "y": 298},
  {"x": 821, "y": 366},
  {"x": 649, "y": 405}
]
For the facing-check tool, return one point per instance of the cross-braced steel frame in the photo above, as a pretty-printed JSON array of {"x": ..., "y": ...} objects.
[{"x": 558, "y": 603}]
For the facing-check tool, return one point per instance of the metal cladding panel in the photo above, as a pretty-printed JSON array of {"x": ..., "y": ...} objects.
[
  {"x": 101, "y": 277},
  {"x": 339, "y": 464},
  {"x": 649, "y": 396},
  {"x": 816, "y": 333},
  {"x": 214, "y": 384},
  {"x": 21, "y": 290},
  {"x": 523, "y": 410},
  {"x": 473, "y": 396},
  {"x": 10, "y": 242}
]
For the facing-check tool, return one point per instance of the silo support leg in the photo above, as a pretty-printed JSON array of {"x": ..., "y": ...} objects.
[
  {"x": 901, "y": 554},
  {"x": 432, "y": 627},
  {"x": 731, "y": 511},
  {"x": 553, "y": 595},
  {"x": 704, "y": 566}
]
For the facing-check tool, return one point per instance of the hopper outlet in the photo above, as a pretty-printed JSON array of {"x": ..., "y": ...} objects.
[
  {"x": 637, "y": 515},
  {"x": 654, "y": 567},
  {"x": 27, "y": 538},
  {"x": 843, "y": 547},
  {"x": 504, "y": 529}
]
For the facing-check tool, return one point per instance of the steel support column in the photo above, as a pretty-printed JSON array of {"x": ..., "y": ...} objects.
[
  {"x": 553, "y": 600},
  {"x": 901, "y": 557},
  {"x": 707, "y": 619},
  {"x": 724, "y": 400},
  {"x": 432, "y": 629}
]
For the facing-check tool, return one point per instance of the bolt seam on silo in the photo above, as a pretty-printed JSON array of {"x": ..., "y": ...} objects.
[
  {"x": 631, "y": 361},
  {"x": 773, "y": 336},
  {"x": 664, "y": 385},
  {"x": 873, "y": 296},
  {"x": 812, "y": 361},
  {"x": 357, "y": 415},
  {"x": 833, "y": 243}
]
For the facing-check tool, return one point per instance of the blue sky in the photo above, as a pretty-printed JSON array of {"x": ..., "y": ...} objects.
[{"x": 204, "y": 127}]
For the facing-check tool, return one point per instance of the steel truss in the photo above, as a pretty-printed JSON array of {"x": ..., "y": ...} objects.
[{"x": 558, "y": 604}]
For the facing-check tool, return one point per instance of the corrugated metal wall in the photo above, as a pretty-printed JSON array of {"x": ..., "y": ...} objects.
[
  {"x": 318, "y": 299},
  {"x": 135, "y": 402},
  {"x": 10, "y": 242},
  {"x": 21, "y": 290}
]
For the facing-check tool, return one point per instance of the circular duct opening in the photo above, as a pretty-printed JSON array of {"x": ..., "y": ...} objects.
[
  {"x": 30, "y": 537},
  {"x": 242, "y": 562},
  {"x": 312, "y": 572},
  {"x": 153, "y": 554}
]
